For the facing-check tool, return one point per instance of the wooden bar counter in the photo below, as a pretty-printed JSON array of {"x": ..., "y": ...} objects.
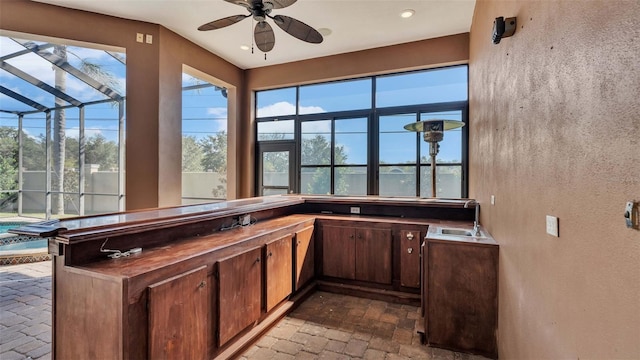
[{"x": 204, "y": 281}]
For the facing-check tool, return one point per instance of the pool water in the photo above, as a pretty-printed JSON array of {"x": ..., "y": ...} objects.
[
  {"x": 25, "y": 245},
  {"x": 9, "y": 225}
]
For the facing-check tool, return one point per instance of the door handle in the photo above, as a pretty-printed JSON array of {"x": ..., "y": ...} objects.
[{"x": 410, "y": 250}]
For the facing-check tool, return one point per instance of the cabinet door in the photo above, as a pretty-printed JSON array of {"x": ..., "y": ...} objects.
[
  {"x": 373, "y": 255},
  {"x": 239, "y": 291},
  {"x": 278, "y": 270},
  {"x": 338, "y": 252},
  {"x": 462, "y": 297},
  {"x": 304, "y": 257},
  {"x": 178, "y": 316},
  {"x": 410, "y": 242}
]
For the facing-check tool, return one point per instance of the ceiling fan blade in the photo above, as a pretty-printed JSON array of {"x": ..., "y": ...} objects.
[
  {"x": 224, "y": 22},
  {"x": 263, "y": 35},
  {"x": 279, "y": 4},
  {"x": 298, "y": 29},
  {"x": 243, "y": 3}
]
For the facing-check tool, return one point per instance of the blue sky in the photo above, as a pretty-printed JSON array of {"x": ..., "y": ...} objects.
[{"x": 101, "y": 119}]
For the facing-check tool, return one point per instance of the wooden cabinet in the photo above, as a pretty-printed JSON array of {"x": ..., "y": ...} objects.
[
  {"x": 239, "y": 293},
  {"x": 461, "y": 296},
  {"x": 410, "y": 242},
  {"x": 338, "y": 252},
  {"x": 304, "y": 257},
  {"x": 357, "y": 253},
  {"x": 373, "y": 255},
  {"x": 178, "y": 316},
  {"x": 278, "y": 270}
]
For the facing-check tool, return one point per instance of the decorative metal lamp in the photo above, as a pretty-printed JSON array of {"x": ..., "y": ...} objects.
[{"x": 433, "y": 130}]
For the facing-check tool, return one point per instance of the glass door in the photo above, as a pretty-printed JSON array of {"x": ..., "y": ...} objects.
[{"x": 276, "y": 168}]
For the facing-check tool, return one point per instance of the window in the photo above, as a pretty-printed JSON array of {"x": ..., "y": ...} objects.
[
  {"x": 65, "y": 108},
  {"x": 204, "y": 141},
  {"x": 349, "y": 146}
]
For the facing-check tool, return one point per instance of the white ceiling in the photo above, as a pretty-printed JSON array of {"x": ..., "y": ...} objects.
[{"x": 354, "y": 24}]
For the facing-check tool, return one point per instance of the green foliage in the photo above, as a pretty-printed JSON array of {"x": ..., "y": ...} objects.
[
  {"x": 214, "y": 149},
  {"x": 8, "y": 160},
  {"x": 214, "y": 159},
  {"x": 317, "y": 151},
  {"x": 192, "y": 155},
  {"x": 102, "y": 152},
  {"x": 33, "y": 153}
]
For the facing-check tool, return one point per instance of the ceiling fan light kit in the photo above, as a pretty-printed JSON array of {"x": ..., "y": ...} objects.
[{"x": 263, "y": 34}]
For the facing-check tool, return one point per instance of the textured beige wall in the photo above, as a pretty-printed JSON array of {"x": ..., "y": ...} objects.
[{"x": 555, "y": 130}]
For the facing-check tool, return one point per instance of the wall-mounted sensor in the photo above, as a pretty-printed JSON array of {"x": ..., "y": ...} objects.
[
  {"x": 631, "y": 215},
  {"x": 503, "y": 28}
]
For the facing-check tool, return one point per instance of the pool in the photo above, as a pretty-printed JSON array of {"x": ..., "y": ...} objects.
[
  {"x": 5, "y": 226},
  {"x": 24, "y": 245},
  {"x": 21, "y": 249}
]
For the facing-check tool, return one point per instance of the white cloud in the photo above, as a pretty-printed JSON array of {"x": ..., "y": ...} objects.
[
  {"x": 74, "y": 132},
  {"x": 217, "y": 111},
  {"x": 311, "y": 110},
  {"x": 33, "y": 65},
  {"x": 287, "y": 108},
  {"x": 317, "y": 127}
]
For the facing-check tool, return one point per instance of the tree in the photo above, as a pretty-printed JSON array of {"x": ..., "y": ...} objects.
[
  {"x": 102, "y": 152},
  {"x": 214, "y": 148},
  {"x": 192, "y": 154},
  {"x": 33, "y": 152},
  {"x": 317, "y": 151},
  {"x": 59, "y": 128},
  {"x": 8, "y": 163}
]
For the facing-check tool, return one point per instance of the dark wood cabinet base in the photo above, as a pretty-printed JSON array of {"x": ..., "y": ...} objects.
[{"x": 199, "y": 270}]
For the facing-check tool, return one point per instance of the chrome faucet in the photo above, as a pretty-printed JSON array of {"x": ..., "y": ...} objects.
[{"x": 476, "y": 223}]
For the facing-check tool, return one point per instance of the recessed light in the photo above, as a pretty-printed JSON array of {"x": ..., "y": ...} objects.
[
  {"x": 324, "y": 31},
  {"x": 407, "y": 13},
  {"x": 244, "y": 47}
]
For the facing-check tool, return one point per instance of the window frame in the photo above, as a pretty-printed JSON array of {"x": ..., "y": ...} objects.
[{"x": 373, "y": 135}]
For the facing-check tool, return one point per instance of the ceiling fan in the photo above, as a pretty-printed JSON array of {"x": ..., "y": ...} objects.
[{"x": 260, "y": 10}]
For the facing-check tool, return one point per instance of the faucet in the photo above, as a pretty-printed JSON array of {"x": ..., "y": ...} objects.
[{"x": 476, "y": 222}]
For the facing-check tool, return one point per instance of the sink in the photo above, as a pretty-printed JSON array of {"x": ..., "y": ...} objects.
[{"x": 457, "y": 232}]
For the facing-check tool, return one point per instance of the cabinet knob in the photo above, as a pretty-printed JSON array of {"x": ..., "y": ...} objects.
[
  {"x": 410, "y": 236},
  {"x": 270, "y": 254},
  {"x": 202, "y": 284},
  {"x": 257, "y": 260},
  {"x": 351, "y": 236},
  {"x": 410, "y": 250}
]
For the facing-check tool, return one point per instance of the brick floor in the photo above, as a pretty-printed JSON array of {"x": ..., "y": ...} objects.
[
  {"x": 330, "y": 326},
  {"x": 325, "y": 326},
  {"x": 25, "y": 311}
]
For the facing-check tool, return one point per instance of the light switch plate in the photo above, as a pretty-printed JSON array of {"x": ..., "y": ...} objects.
[
  {"x": 552, "y": 226},
  {"x": 149, "y": 39},
  {"x": 140, "y": 37},
  {"x": 493, "y": 199}
]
